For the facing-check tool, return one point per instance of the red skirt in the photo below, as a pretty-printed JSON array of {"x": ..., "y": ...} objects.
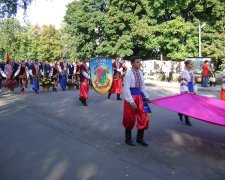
[
  {"x": 84, "y": 87},
  {"x": 117, "y": 87},
  {"x": 130, "y": 115},
  {"x": 223, "y": 94}
]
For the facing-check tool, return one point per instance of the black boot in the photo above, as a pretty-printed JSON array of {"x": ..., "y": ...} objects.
[
  {"x": 85, "y": 102},
  {"x": 118, "y": 97},
  {"x": 109, "y": 95},
  {"x": 187, "y": 122},
  {"x": 128, "y": 139},
  {"x": 140, "y": 136},
  {"x": 180, "y": 116}
]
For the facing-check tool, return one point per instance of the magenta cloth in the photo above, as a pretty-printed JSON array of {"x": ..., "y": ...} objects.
[{"x": 206, "y": 109}]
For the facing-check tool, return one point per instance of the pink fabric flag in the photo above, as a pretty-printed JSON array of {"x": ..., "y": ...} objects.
[{"x": 206, "y": 109}]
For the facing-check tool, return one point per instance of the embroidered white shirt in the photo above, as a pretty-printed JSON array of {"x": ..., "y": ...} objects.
[
  {"x": 129, "y": 82},
  {"x": 187, "y": 76}
]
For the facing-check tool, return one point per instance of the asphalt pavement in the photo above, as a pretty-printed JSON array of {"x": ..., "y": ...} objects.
[{"x": 52, "y": 136}]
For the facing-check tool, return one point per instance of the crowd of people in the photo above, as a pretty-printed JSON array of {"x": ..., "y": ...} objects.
[
  {"x": 13, "y": 73},
  {"x": 130, "y": 82}
]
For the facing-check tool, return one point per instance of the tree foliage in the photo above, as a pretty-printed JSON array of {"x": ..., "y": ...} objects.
[
  {"x": 9, "y": 8},
  {"x": 146, "y": 27},
  {"x": 27, "y": 42}
]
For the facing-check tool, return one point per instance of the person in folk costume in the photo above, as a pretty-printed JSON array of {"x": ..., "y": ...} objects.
[
  {"x": 15, "y": 67},
  {"x": 54, "y": 74},
  {"x": 223, "y": 86},
  {"x": 84, "y": 81},
  {"x": 23, "y": 74},
  {"x": 2, "y": 75},
  {"x": 124, "y": 70},
  {"x": 41, "y": 67},
  {"x": 77, "y": 74},
  {"x": 28, "y": 65},
  {"x": 36, "y": 73},
  {"x": 117, "y": 86},
  {"x": 8, "y": 70},
  {"x": 46, "y": 69},
  {"x": 71, "y": 72},
  {"x": 187, "y": 85},
  {"x": 8, "y": 67},
  {"x": 63, "y": 69},
  {"x": 136, "y": 108}
]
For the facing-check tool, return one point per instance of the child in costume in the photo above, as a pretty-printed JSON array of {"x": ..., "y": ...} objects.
[{"x": 187, "y": 85}]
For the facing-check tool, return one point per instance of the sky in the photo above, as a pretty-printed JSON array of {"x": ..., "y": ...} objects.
[{"x": 45, "y": 12}]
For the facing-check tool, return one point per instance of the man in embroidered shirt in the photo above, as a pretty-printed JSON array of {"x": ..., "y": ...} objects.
[
  {"x": 135, "y": 103},
  {"x": 84, "y": 78}
]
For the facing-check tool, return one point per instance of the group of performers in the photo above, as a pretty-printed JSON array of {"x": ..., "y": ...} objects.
[
  {"x": 136, "y": 109},
  {"x": 36, "y": 71}
]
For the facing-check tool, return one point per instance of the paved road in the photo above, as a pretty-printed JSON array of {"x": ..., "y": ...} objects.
[{"x": 51, "y": 136}]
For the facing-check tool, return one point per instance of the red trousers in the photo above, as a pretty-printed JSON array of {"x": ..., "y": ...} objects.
[
  {"x": 130, "y": 115},
  {"x": 84, "y": 87},
  {"x": 222, "y": 94},
  {"x": 117, "y": 86}
]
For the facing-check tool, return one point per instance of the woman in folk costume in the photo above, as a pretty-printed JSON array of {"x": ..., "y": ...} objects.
[
  {"x": 36, "y": 73},
  {"x": 23, "y": 75},
  {"x": 72, "y": 70},
  {"x": 223, "y": 86},
  {"x": 8, "y": 70},
  {"x": 2, "y": 75},
  {"x": 117, "y": 86},
  {"x": 136, "y": 109},
  {"x": 54, "y": 74},
  {"x": 84, "y": 79},
  {"x": 124, "y": 69},
  {"x": 63, "y": 69},
  {"x": 187, "y": 85},
  {"x": 77, "y": 74}
]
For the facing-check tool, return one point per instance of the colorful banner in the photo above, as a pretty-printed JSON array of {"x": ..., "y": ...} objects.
[
  {"x": 203, "y": 108},
  {"x": 101, "y": 74}
]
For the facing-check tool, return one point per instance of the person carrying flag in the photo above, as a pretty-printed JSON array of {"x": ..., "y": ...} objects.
[{"x": 84, "y": 79}]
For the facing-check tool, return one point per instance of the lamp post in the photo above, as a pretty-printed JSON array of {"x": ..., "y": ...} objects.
[
  {"x": 200, "y": 38},
  {"x": 200, "y": 35}
]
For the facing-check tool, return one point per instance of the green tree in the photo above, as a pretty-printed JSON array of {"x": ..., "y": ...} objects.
[
  {"x": 9, "y": 8},
  {"x": 49, "y": 45},
  {"x": 29, "y": 43},
  {"x": 34, "y": 34},
  {"x": 145, "y": 27},
  {"x": 9, "y": 39}
]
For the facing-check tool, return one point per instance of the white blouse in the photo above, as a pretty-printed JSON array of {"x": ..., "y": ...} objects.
[
  {"x": 187, "y": 76},
  {"x": 2, "y": 73},
  {"x": 129, "y": 82}
]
